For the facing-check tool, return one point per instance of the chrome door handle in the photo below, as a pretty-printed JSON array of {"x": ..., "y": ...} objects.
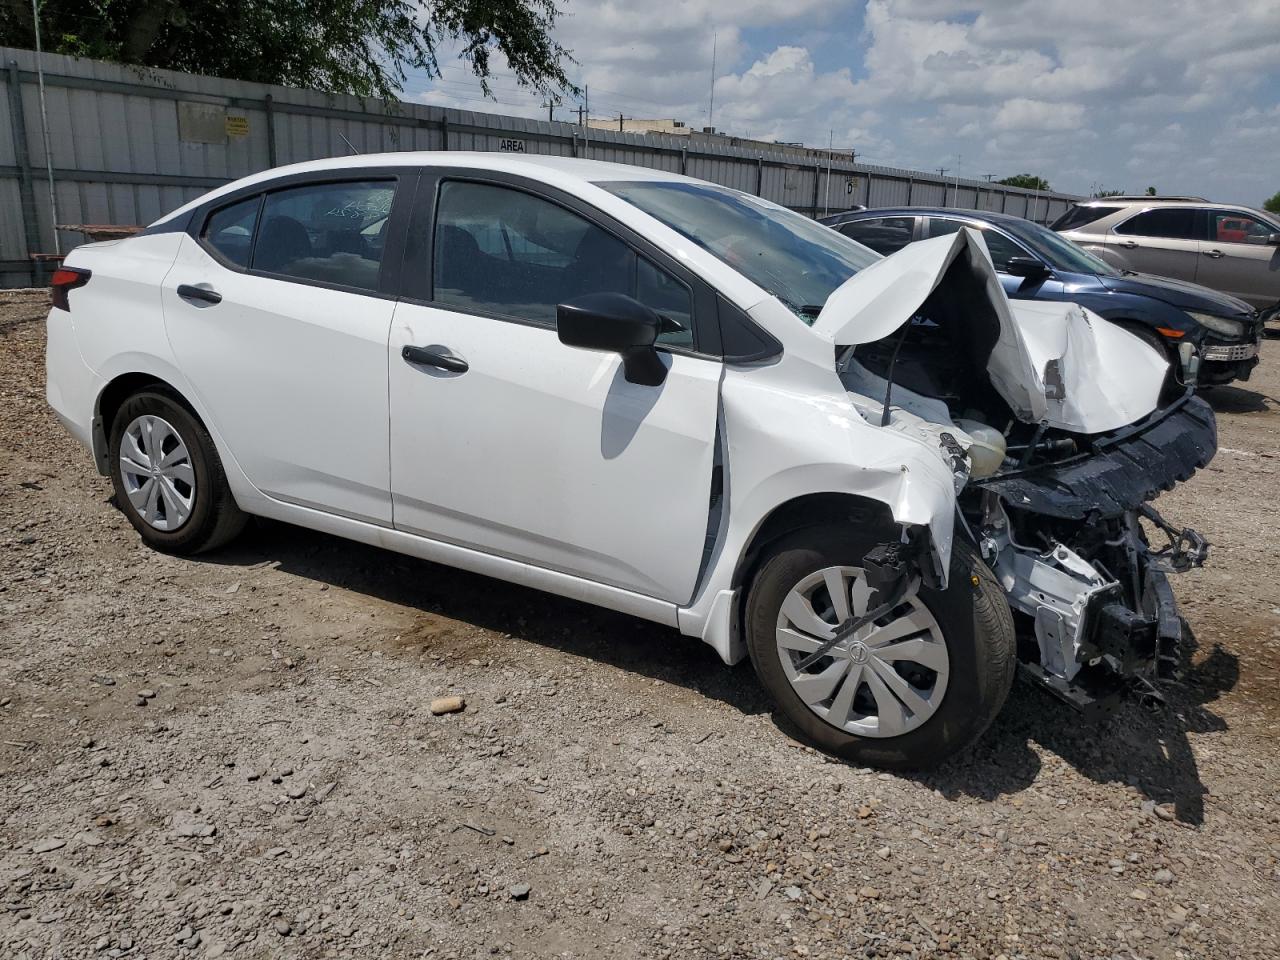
[
  {"x": 1129, "y": 244},
  {"x": 430, "y": 358},
  {"x": 1216, "y": 254},
  {"x": 188, "y": 291}
]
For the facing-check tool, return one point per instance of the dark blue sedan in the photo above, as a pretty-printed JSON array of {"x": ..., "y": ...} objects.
[{"x": 1035, "y": 263}]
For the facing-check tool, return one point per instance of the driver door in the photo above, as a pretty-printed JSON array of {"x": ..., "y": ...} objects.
[{"x": 516, "y": 445}]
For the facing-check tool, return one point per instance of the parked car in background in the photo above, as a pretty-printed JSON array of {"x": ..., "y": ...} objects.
[
  {"x": 660, "y": 396},
  {"x": 1232, "y": 249},
  {"x": 1034, "y": 263}
]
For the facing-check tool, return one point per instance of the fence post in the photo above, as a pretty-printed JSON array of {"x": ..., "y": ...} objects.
[
  {"x": 684, "y": 161},
  {"x": 269, "y": 106},
  {"x": 759, "y": 176},
  {"x": 817, "y": 177},
  {"x": 26, "y": 189},
  {"x": 444, "y": 132},
  {"x": 911, "y": 186}
]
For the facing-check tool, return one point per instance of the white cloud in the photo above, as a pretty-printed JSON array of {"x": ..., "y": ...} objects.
[
  {"x": 1081, "y": 91},
  {"x": 1023, "y": 114}
]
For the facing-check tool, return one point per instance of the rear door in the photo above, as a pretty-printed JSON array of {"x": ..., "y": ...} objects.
[
  {"x": 1160, "y": 240},
  {"x": 1237, "y": 259},
  {"x": 278, "y": 312},
  {"x": 518, "y": 446}
]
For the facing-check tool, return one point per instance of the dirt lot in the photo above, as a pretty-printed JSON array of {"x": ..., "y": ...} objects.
[{"x": 234, "y": 756}]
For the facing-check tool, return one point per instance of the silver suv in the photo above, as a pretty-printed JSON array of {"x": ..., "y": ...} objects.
[{"x": 1228, "y": 248}]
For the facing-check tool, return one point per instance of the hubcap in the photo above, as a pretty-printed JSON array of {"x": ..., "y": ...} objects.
[
  {"x": 157, "y": 472},
  {"x": 885, "y": 680}
]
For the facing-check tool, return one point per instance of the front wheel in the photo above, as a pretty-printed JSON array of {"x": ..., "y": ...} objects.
[{"x": 905, "y": 692}]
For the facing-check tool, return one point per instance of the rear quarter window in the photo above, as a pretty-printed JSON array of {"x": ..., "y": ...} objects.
[{"x": 1078, "y": 217}]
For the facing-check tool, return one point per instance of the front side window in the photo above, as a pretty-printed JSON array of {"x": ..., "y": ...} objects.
[
  {"x": 329, "y": 232},
  {"x": 1001, "y": 248},
  {"x": 1230, "y": 226},
  {"x": 798, "y": 260},
  {"x": 1173, "y": 223},
  {"x": 229, "y": 231},
  {"x": 503, "y": 251},
  {"x": 884, "y": 235}
]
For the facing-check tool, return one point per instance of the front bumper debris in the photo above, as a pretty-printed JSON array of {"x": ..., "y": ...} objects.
[{"x": 1122, "y": 471}]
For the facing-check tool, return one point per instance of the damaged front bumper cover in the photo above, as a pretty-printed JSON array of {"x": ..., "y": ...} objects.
[
  {"x": 1079, "y": 565},
  {"x": 1121, "y": 471}
]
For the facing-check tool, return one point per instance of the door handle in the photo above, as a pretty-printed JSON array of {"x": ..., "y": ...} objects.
[
  {"x": 1129, "y": 244},
  {"x": 189, "y": 292},
  {"x": 429, "y": 358},
  {"x": 1216, "y": 254}
]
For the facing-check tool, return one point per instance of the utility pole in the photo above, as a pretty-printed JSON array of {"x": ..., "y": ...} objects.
[
  {"x": 711, "y": 107},
  {"x": 551, "y": 103},
  {"x": 44, "y": 129},
  {"x": 585, "y": 112},
  {"x": 620, "y": 119},
  {"x": 988, "y": 177}
]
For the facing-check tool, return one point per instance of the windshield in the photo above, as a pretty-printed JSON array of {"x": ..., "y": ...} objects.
[
  {"x": 796, "y": 259},
  {"x": 1061, "y": 254}
]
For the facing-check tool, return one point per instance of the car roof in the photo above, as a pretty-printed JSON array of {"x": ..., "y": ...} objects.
[
  {"x": 1162, "y": 203},
  {"x": 875, "y": 213},
  {"x": 564, "y": 172}
]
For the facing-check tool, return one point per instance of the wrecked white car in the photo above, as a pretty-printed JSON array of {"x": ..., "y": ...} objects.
[{"x": 877, "y": 478}]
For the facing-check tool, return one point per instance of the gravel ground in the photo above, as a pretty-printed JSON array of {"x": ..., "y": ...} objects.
[{"x": 235, "y": 756}]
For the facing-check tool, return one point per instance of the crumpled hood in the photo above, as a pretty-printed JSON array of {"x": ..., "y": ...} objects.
[{"x": 1052, "y": 362}]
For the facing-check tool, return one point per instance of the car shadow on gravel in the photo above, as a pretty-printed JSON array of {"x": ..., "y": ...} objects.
[
  {"x": 1140, "y": 745},
  {"x": 1239, "y": 400},
  {"x": 569, "y": 626}
]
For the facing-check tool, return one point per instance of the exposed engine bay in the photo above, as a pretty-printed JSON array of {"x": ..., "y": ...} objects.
[{"x": 1053, "y": 470}]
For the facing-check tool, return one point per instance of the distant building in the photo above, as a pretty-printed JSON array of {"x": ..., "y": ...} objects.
[{"x": 678, "y": 128}]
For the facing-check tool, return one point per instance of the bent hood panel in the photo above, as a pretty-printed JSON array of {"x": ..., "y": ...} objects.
[{"x": 1052, "y": 362}]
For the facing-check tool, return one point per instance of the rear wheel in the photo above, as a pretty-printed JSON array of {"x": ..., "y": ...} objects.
[
  {"x": 906, "y": 691},
  {"x": 168, "y": 478}
]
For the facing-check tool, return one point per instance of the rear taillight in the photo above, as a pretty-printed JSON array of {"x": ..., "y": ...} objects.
[{"x": 64, "y": 280}]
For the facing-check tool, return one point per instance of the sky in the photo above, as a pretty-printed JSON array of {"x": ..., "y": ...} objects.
[{"x": 1183, "y": 95}]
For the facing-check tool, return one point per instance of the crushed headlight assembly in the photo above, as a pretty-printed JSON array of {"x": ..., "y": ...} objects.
[{"x": 1222, "y": 325}]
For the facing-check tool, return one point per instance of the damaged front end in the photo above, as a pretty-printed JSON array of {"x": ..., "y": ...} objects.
[
  {"x": 1056, "y": 413},
  {"x": 1065, "y": 538}
]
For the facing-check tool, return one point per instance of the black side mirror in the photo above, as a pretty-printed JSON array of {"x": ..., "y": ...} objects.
[
  {"x": 619, "y": 324},
  {"x": 1273, "y": 239},
  {"x": 1026, "y": 267}
]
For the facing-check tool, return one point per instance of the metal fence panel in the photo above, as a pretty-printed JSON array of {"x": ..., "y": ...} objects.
[{"x": 128, "y": 145}]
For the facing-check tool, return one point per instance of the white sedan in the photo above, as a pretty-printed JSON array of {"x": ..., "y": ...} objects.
[{"x": 873, "y": 476}]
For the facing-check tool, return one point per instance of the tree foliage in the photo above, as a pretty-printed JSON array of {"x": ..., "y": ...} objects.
[
  {"x": 1027, "y": 181},
  {"x": 362, "y": 47},
  {"x": 1272, "y": 205}
]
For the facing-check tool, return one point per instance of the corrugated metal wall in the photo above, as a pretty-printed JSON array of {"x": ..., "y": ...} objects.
[{"x": 128, "y": 144}]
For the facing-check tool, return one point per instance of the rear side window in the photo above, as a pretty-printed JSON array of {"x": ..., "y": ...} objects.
[
  {"x": 1173, "y": 223},
  {"x": 884, "y": 235},
  {"x": 330, "y": 232},
  {"x": 507, "y": 252},
  {"x": 1231, "y": 226},
  {"x": 230, "y": 231},
  {"x": 1080, "y": 216}
]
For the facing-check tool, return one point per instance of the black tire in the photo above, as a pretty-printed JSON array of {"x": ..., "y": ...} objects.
[
  {"x": 977, "y": 629},
  {"x": 215, "y": 519}
]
